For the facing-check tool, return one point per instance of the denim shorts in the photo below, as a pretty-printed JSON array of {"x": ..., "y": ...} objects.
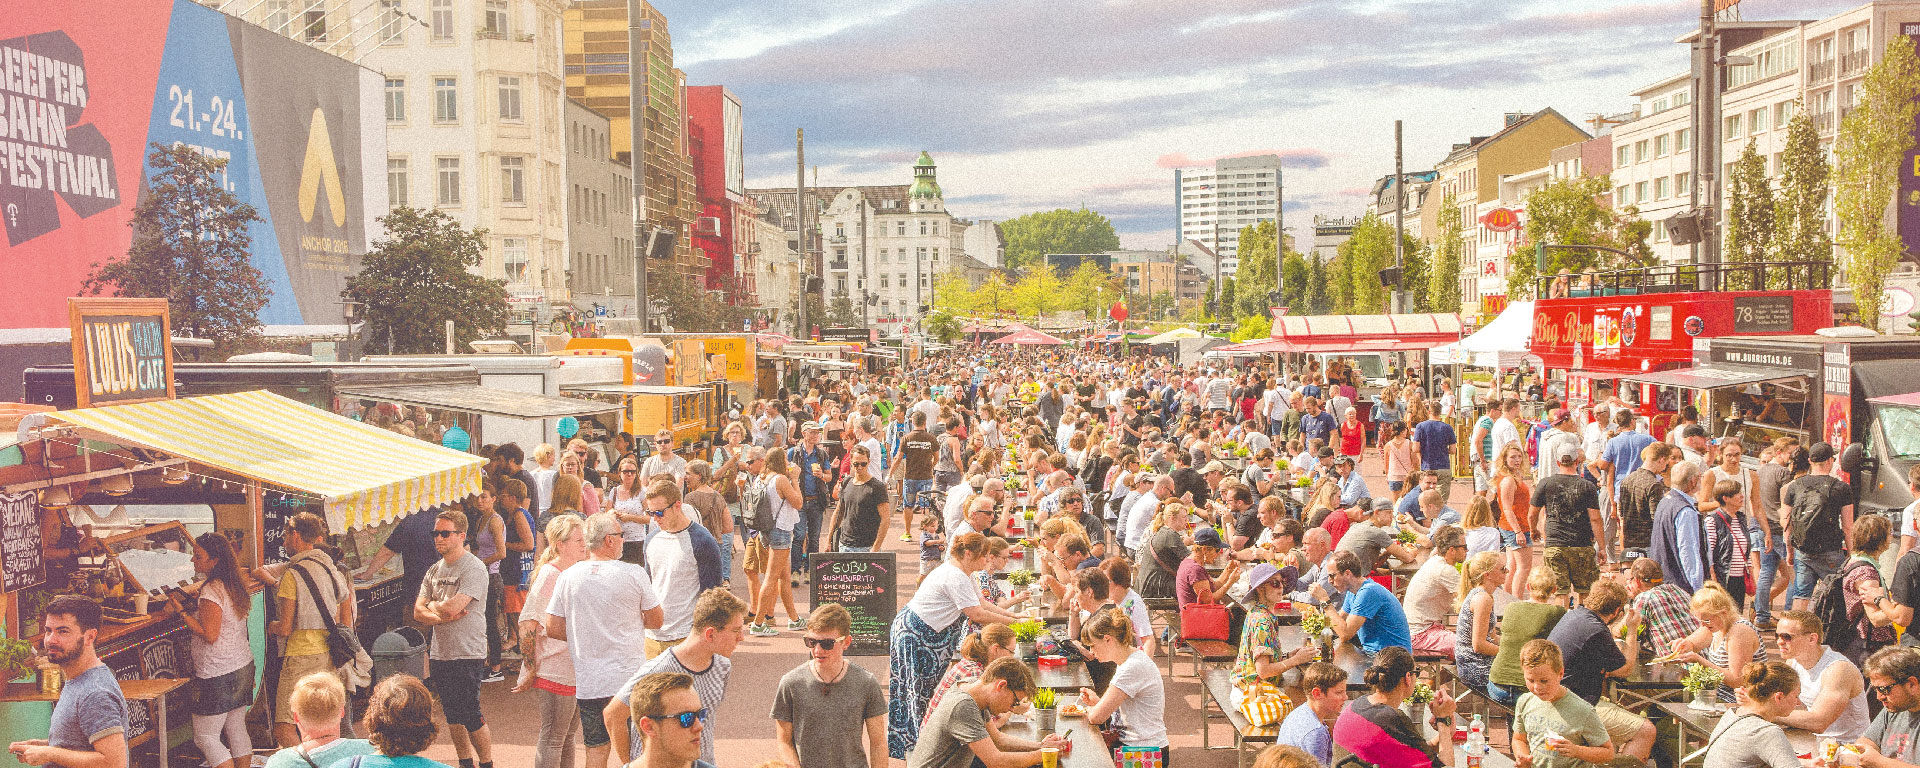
[
  {"x": 779, "y": 539},
  {"x": 214, "y": 696},
  {"x": 1511, "y": 541},
  {"x": 1396, "y": 485},
  {"x": 910, "y": 491},
  {"x": 593, "y": 722}
]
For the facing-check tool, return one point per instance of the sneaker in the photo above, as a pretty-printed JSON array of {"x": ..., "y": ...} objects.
[
  {"x": 797, "y": 625},
  {"x": 762, "y": 630},
  {"x": 494, "y": 676},
  {"x": 1764, "y": 625},
  {"x": 908, "y": 537}
]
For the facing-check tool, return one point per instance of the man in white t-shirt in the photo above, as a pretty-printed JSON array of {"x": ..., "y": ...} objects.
[
  {"x": 1506, "y": 429},
  {"x": 955, "y": 507},
  {"x": 602, "y": 608},
  {"x": 664, "y": 461},
  {"x": 1140, "y": 516}
]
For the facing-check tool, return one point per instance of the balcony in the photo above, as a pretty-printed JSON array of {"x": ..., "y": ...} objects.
[
  {"x": 1823, "y": 122},
  {"x": 1820, "y": 72},
  {"x": 484, "y": 33},
  {"x": 1854, "y": 62}
]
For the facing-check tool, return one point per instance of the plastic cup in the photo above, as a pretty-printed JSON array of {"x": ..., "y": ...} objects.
[{"x": 1049, "y": 757}]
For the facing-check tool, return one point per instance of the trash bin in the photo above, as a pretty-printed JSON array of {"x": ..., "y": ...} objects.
[{"x": 400, "y": 651}]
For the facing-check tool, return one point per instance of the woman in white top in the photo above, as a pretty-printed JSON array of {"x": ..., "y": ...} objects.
[
  {"x": 548, "y": 665},
  {"x": 1729, "y": 470},
  {"x": 1136, "y": 692},
  {"x": 543, "y": 470},
  {"x": 1482, "y": 535},
  {"x": 926, "y": 632},
  {"x": 777, "y": 481},
  {"x": 222, "y": 654},
  {"x": 629, "y": 500}
]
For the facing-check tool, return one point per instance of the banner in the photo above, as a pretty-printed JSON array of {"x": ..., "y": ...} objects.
[{"x": 87, "y": 86}]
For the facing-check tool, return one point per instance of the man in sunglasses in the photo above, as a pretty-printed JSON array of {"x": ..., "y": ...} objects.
[
  {"x": 812, "y": 706},
  {"x": 452, "y": 601},
  {"x": 671, "y": 721},
  {"x": 706, "y": 657},
  {"x": 961, "y": 732},
  {"x": 683, "y": 560},
  {"x": 1833, "y": 695},
  {"x": 862, "y": 516},
  {"x": 1893, "y": 740}
]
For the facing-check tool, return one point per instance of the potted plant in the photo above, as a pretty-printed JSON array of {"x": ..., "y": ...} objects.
[
  {"x": 1024, "y": 633},
  {"x": 1045, "y": 716},
  {"x": 1702, "y": 681},
  {"x": 1314, "y": 624},
  {"x": 1406, "y": 536},
  {"x": 16, "y": 659},
  {"x": 1416, "y": 704},
  {"x": 1020, "y": 578}
]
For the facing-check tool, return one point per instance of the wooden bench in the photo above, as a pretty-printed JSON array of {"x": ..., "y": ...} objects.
[
  {"x": 1218, "y": 685},
  {"x": 1168, "y": 610},
  {"x": 1207, "y": 652}
]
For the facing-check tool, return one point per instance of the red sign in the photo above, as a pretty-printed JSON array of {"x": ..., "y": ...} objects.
[
  {"x": 1635, "y": 334},
  {"x": 1501, "y": 220},
  {"x": 1118, "y": 312}
]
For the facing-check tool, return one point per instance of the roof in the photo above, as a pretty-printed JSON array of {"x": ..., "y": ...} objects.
[
  {"x": 779, "y": 201},
  {"x": 364, "y": 475},
  {"x": 1356, "y": 333},
  {"x": 468, "y": 398},
  {"x": 1479, "y": 143},
  {"x": 1713, "y": 376},
  {"x": 634, "y": 389}
]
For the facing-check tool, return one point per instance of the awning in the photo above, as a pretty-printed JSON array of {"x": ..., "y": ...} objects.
[
  {"x": 634, "y": 389},
  {"x": 363, "y": 474},
  {"x": 1713, "y": 376},
  {"x": 1502, "y": 343},
  {"x": 1364, "y": 333},
  {"x": 1029, "y": 337},
  {"x": 1174, "y": 335},
  {"x": 1910, "y": 399},
  {"x": 491, "y": 401}
]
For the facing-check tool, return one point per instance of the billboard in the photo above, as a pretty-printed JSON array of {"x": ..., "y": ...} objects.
[{"x": 86, "y": 86}]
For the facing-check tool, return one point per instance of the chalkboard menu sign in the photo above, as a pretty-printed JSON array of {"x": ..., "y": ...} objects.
[
  {"x": 863, "y": 583},
  {"x": 277, "y": 510},
  {"x": 21, "y": 564},
  {"x": 1762, "y": 314}
]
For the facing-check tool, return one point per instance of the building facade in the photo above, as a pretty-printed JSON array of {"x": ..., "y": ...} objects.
[
  {"x": 1472, "y": 172},
  {"x": 715, "y": 135},
  {"x": 1151, "y": 273},
  {"x": 1214, "y": 202},
  {"x": 600, "y": 242}
]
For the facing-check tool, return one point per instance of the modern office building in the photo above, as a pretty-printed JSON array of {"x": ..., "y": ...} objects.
[{"x": 1215, "y": 201}]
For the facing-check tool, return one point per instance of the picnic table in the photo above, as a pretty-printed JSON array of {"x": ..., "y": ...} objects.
[
  {"x": 1649, "y": 684},
  {"x": 1694, "y": 725},
  {"x": 1089, "y": 749},
  {"x": 1346, "y": 655}
]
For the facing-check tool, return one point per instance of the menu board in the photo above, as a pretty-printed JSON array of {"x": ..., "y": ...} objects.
[
  {"x": 1762, "y": 314},
  {"x": 863, "y": 583},
  {"x": 277, "y": 510},
  {"x": 21, "y": 563}
]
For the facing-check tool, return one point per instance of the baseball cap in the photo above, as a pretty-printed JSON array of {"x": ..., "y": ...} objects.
[
  {"x": 1566, "y": 453},
  {"x": 1208, "y": 537},
  {"x": 1820, "y": 452},
  {"x": 1213, "y": 466},
  {"x": 811, "y": 426},
  {"x": 1380, "y": 504},
  {"x": 1558, "y": 415}
]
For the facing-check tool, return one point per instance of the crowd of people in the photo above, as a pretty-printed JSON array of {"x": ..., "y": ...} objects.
[{"x": 613, "y": 583}]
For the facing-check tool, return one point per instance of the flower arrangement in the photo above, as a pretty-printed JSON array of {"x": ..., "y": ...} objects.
[
  {"x": 1027, "y": 631},
  {"x": 1699, "y": 678},
  {"x": 1280, "y": 464},
  {"x": 1303, "y": 482},
  {"x": 1020, "y": 578},
  {"x": 1405, "y": 536},
  {"x": 1312, "y": 622},
  {"x": 1230, "y": 445},
  {"x": 1242, "y": 452},
  {"x": 1045, "y": 698},
  {"x": 1422, "y": 693}
]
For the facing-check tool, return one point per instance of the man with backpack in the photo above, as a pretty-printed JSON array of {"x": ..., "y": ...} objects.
[{"x": 1820, "y": 517}]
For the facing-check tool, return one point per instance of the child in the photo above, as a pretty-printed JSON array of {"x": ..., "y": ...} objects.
[
  {"x": 1303, "y": 458},
  {"x": 932, "y": 544},
  {"x": 1563, "y": 730},
  {"x": 1482, "y": 536},
  {"x": 1306, "y": 727}
]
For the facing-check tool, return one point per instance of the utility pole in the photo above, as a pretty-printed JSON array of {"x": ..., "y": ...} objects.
[
  {"x": 636, "y": 79},
  {"x": 800, "y": 211},
  {"x": 1704, "y": 196},
  {"x": 1398, "y": 297},
  {"x": 1218, "y": 280},
  {"x": 1279, "y": 237}
]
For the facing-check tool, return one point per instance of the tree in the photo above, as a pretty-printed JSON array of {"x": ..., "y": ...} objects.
[
  {"x": 190, "y": 247},
  {"x": 1569, "y": 212},
  {"x": 843, "y": 313},
  {"x": 692, "y": 308},
  {"x": 1873, "y": 139},
  {"x": 1319, "y": 295},
  {"x": 420, "y": 276},
  {"x": 1443, "y": 278},
  {"x": 1039, "y": 293},
  {"x": 1252, "y": 327},
  {"x": 1256, "y": 275},
  {"x": 1225, "y": 309},
  {"x": 1356, "y": 269},
  {"x": 1092, "y": 290},
  {"x": 1413, "y": 276},
  {"x": 943, "y": 326},
  {"x": 1294, "y": 283},
  {"x": 1750, "y": 224},
  {"x": 1800, "y": 232},
  {"x": 1032, "y": 236}
]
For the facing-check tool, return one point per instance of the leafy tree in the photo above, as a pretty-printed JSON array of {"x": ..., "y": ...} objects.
[
  {"x": 1443, "y": 278},
  {"x": 190, "y": 247},
  {"x": 1039, "y": 293},
  {"x": 1255, "y": 279},
  {"x": 420, "y": 276},
  {"x": 1569, "y": 212},
  {"x": 1356, "y": 270},
  {"x": 1227, "y": 300},
  {"x": 943, "y": 326},
  {"x": 1872, "y": 140},
  {"x": 1800, "y": 212},
  {"x": 1319, "y": 294},
  {"x": 1413, "y": 277},
  {"x": 1093, "y": 290},
  {"x": 1032, "y": 236},
  {"x": 1750, "y": 224},
  {"x": 1252, "y": 327},
  {"x": 1294, "y": 285},
  {"x": 843, "y": 313},
  {"x": 691, "y": 308}
]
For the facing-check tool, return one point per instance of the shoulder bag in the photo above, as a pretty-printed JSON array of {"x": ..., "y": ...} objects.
[{"x": 343, "y": 646}]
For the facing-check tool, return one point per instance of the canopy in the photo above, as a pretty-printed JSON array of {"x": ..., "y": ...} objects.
[
  {"x": 1174, "y": 335},
  {"x": 364, "y": 475},
  {"x": 1713, "y": 376},
  {"x": 772, "y": 339},
  {"x": 469, "y": 398},
  {"x": 1029, "y": 337},
  {"x": 1363, "y": 333},
  {"x": 1501, "y": 344},
  {"x": 634, "y": 389}
]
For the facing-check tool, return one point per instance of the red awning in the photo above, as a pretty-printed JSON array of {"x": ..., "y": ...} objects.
[
  {"x": 1029, "y": 337},
  {"x": 1359, "y": 333},
  {"x": 1911, "y": 399}
]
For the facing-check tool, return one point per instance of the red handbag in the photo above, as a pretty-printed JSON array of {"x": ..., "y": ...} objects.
[{"x": 1203, "y": 621}]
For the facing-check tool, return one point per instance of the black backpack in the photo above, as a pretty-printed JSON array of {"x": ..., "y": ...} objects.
[
  {"x": 758, "y": 497},
  {"x": 1829, "y": 604},
  {"x": 1808, "y": 527}
]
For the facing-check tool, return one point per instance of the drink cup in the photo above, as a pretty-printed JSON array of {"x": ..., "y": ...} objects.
[{"x": 1050, "y": 757}]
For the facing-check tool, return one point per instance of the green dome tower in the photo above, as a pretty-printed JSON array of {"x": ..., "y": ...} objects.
[{"x": 925, "y": 194}]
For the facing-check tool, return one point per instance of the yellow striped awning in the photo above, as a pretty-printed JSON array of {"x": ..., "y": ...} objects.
[{"x": 365, "y": 474}]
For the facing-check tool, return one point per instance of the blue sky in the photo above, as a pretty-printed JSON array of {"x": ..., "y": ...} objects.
[{"x": 1038, "y": 104}]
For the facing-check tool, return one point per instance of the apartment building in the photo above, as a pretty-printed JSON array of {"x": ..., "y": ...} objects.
[
  {"x": 600, "y": 241},
  {"x": 1215, "y": 201},
  {"x": 1473, "y": 171}
]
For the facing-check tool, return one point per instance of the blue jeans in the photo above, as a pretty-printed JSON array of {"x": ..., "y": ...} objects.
[
  {"x": 844, "y": 548},
  {"x": 1503, "y": 695},
  {"x": 910, "y": 491},
  {"x": 1769, "y": 566},
  {"x": 807, "y": 533},
  {"x": 1808, "y": 569}
]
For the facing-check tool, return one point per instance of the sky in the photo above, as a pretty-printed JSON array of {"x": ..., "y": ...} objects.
[{"x": 1030, "y": 105}]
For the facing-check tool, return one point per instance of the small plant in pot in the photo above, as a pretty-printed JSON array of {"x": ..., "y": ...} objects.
[
  {"x": 1416, "y": 704},
  {"x": 16, "y": 659},
  {"x": 1024, "y": 633},
  {"x": 1045, "y": 715},
  {"x": 1702, "y": 681}
]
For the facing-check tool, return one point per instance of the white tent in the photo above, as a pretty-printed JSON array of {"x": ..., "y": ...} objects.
[
  {"x": 1172, "y": 336},
  {"x": 1501, "y": 344}
]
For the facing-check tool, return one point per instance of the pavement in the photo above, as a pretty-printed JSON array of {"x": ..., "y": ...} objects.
[{"x": 745, "y": 736}]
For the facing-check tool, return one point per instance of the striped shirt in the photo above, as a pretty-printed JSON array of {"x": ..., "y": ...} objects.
[{"x": 709, "y": 683}]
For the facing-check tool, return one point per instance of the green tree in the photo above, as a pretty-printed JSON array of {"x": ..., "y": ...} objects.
[
  {"x": 1294, "y": 284},
  {"x": 1413, "y": 277},
  {"x": 943, "y": 326},
  {"x": 1356, "y": 285},
  {"x": 1319, "y": 293},
  {"x": 690, "y": 308},
  {"x": 1800, "y": 232},
  {"x": 1873, "y": 139},
  {"x": 1227, "y": 303},
  {"x": 1092, "y": 290},
  {"x": 1443, "y": 277},
  {"x": 1255, "y": 277},
  {"x": 190, "y": 247},
  {"x": 1040, "y": 292},
  {"x": 1032, "y": 236},
  {"x": 1252, "y": 327},
  {"x": 843, "y": 313},
  {"x": 1569, "y": 212},
  {"x": 1750, "y": 224},
  {"x": 420, "y": 276}
]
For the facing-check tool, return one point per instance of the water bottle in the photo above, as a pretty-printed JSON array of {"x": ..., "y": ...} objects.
[{"x": 1476, "y": 742}]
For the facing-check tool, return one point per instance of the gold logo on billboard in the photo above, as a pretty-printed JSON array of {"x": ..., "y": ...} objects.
[{"x": 319, "y": 167}]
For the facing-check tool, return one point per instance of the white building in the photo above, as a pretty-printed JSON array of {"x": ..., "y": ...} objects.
[{"x": 1216, "y": 201}]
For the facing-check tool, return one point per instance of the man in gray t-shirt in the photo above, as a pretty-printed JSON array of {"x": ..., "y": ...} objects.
[
  {"x": 1375, "y": 536},
  {"x": 90, "y": 719},
  {"x": 814, "y": 706},
  {"x": 956, "y": 732},
  {"x": 452, "y": 602}
]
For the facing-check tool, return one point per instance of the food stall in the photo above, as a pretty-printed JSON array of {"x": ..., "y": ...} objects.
[
  {"x": 645, "y": 409},
  {"x": 95, "y": 482}
]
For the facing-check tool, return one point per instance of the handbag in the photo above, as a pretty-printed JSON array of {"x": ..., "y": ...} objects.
[
  {"x": 729, "y": 480},
  {"x": 343, "y": 646},
  {"x": 1263, "y": 703},
  {"x": 1203, "y": 621}
]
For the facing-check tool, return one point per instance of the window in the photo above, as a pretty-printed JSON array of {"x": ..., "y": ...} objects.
[
  {"x": 441, "y": 20},
  {"x": 1661, "y": 190},
  {"x": 1732, "y": 127},
  {"x": 1640, "y": 151},
  {"x": 936, "y": 227},
  {"x": 396, "y": 100},
  {"x": 883, "y": 280},
  {"x": 1682, "y": 139},
  {"x": 314, "y": 25},
  {"x": 900, "y": 278},
  {"x": 510, "y": 99},
  {"x": 1682, "y": 98},
  {"x": 1659, "y": 230},
  {"x": 396, "y": 182},
  {"x": 1660, "y": 145},
  {"x": 279, "y": 15},
  {"x": 1757, "y": 120},
  {"x": 920, "y": 254},
  {"x": 1640, "y": 192},
  {"x": 1621, "y": 158},
  {"x": 496, "y": 19},
  {"x": 513, "y": 256},
  {"x": 1777, "y": 58},
  {"x": 1659, "y": 105},
  {"x": 1682, "y": 183},
  {"x": 1620, "y": 196},
  {"x": 513, "y": 180},
  {"x": 901, "y": 228},
  {"x": 448, "y": 171},
  {"x": 446, "y": 100},
  {"x": 923, "y": 226},
  {"x": 839, "y": 229},
  {"x": 1782, "y": 114},
  {"x": 393, "y": 22}
]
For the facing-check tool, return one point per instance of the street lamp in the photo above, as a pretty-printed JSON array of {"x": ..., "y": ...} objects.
[{"x": 349, "y": 312}]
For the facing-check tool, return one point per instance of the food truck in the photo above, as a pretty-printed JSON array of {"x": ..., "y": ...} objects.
[
  {"x": 1591, "y": 332},
  {"x": 656, "y": 392}
]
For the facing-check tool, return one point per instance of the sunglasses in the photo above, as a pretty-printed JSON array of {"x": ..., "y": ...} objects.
[
  {"x": 629, "y": 471},
  {"x": 685, "y": 719},
  {"x": 860, "y": 463},
  {"x": 1881, "y": 690},
  {"x": 1785, "y": 637},
  {"x": 445, "y": 534},
  {"x": 822, "y": 643}
]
